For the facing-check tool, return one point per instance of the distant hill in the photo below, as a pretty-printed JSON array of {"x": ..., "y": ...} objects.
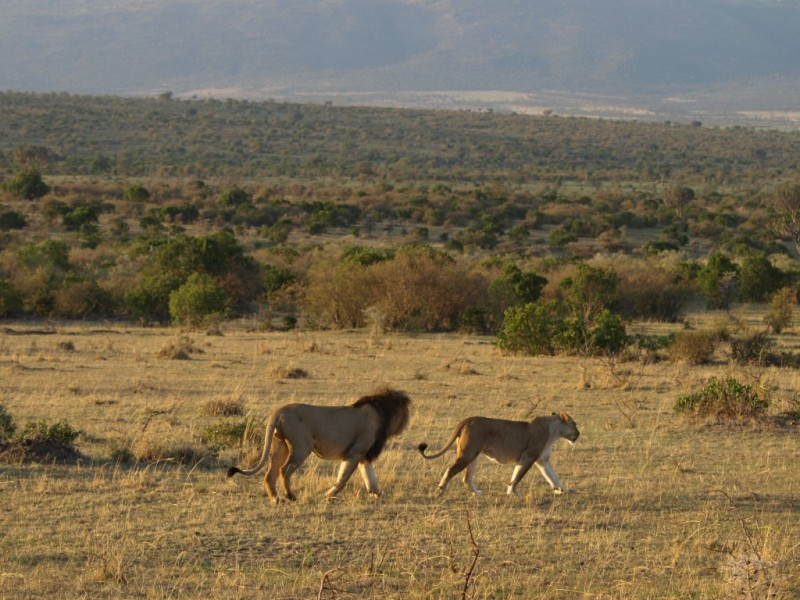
[{"x": 612, "y": 57}]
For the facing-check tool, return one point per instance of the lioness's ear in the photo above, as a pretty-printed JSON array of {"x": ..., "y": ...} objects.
[{"x": 564, "y": 417}]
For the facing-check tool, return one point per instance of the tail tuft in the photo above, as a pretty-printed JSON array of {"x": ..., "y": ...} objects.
[
  {"x": 233, "y": 471},
  {"x": 422, "y": 447}
]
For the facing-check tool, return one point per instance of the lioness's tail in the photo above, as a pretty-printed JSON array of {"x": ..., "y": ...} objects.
[
  {"x": 264, "y": 454},
  {"x": 423, "y": 446}
]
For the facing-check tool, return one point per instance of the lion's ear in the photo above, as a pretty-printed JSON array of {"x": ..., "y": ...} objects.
[{"x": 564, "y": 417}]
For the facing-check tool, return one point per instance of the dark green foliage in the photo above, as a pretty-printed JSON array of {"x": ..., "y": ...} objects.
[
  {"x": 758, "y": 279},
  {"x": 12, "y": 219},
  {"x": 80, "y": 216},
  {"x": 781, "y": 310},
  {"x": 27, "y": 184},
  {"x": 173, "y": 259},
  {"x": 235, "y": 198},
  {"x": 548, "y": 328},
  {"x": 531, "y": 329},
  {"x": 7, "y": 427},
  {"x": 514, "y": 288},
  {"x": 362, "y": 255},
  {"x": 59, "y": 432},
  {"x": 197, "y": 301},
  {"x": 590, "y": 290},
  {"x": 136, "y": 193},
  {"x": 718, "y": 280},
  {"x": 224, "y": 434},
  {"x": 727, "y": 399},
  {"x": 276, "y": 278},
  {"x": 10, "y": 299}
]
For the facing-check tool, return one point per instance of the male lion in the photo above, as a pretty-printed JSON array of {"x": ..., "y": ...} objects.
[
  {"x": 521, "y": 442},
  {"x": 354, "y": 434}
]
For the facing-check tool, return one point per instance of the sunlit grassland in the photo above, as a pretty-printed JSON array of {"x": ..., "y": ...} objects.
[{"x": 664, "y": 508}]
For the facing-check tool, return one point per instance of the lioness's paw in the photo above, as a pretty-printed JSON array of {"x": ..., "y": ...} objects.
[{"x": 562, "y": 491}]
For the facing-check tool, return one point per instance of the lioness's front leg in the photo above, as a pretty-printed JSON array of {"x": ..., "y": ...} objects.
[
  {"x": 549, "y": 474},
  {"x": 370, "y": 480}
]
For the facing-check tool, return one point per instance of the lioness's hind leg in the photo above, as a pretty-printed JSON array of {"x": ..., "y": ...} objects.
[
  {"x": 458, "y": 466},
  {"x": 296, "y": 458},
  {"x": 277, "y": 458},
  {"x": 469, "y": 473}
]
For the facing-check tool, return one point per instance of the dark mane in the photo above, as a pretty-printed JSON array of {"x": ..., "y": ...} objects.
[{"x": 393, "y": 408}]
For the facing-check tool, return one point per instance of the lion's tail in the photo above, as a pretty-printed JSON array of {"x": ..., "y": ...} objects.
[
  {"x": 273, "y": 423},
  {"x": 423, "y": 446}
]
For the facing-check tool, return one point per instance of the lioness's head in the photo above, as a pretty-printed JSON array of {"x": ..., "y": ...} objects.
[{"x": 568, "y": 428}]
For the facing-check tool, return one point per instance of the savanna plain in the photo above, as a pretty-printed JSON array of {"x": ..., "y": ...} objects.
[{"x": 663, "y": 507}]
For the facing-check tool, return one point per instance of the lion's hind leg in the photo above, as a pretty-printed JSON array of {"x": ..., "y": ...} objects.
[
  {"x": 462, "y": 462},
  {"x": 520, "y": 470}
]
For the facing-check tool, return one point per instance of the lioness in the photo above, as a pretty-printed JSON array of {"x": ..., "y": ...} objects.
[
  {"x": 354, "y": 434},
  {"x": 521, "y": 442}
]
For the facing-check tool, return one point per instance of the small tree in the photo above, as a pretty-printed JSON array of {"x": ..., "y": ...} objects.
[
  {"x": 717, "y": 280},
  {"x": 781, "y": 310},
  {"x": 28, "y": 184},
  {"x": 198, "y": 301},
  {"x": 785, "y": 202},
  {"x": 758, "y": 278}
]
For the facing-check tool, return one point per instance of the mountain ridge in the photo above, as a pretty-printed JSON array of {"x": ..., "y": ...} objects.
[{"x": 740, "y": 54}]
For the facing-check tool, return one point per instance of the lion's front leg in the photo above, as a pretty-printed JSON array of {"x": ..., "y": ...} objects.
[
  {"x": 370, "y": 480},
  {"x": 346, "y": 469},
  {"x": 549, "y": 474}
]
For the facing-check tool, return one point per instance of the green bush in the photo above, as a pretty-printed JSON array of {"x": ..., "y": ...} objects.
[
  {"x": 781, "y": 310},
  {"x": 28, "y": 185},
  {"x": 547, "y": 329},
  {"x": 728, "y": 399},
  {"x": 198, "y": 301},
  {"x": 531, "y": 329},
  {"x": 718, "y": 280},
  {"x": 224, "y": 434},
  {"x": 12, "y": 219},
  {"x": 136, "y": 193},
  {"x": 59, "y": 432},
  {"x": 7, "y": 427},
  {"x": 10, "y": 299}
]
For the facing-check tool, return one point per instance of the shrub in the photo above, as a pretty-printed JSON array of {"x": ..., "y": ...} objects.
[
  {"x": 59, "y": 432},
  {"x": 692, "y": 347},
  {"x": 224, "y": 434},
  {"x": 10, "y": 299},
  {"x": 7, "y": 427},
  {"x": 531, "y": 329},
  {"x": 12, "y": 219},
  {"x": 758, "y": 279},
  {"x": 718, "y": 279},
  {"x": 28, "y": 185},
  {"x": 728, "y": 399},
  {"x": 781, "y": 310},
  {"x": 136, "y": 193},
  {"x": 752, "y": 349},
  {"x": 197, "y": 301}
]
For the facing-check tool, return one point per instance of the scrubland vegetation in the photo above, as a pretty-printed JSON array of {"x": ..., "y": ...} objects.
[{"x": 173, "y": 271}]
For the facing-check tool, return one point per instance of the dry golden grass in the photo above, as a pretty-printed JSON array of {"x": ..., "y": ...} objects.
[{"x": 663, "y": 509}]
